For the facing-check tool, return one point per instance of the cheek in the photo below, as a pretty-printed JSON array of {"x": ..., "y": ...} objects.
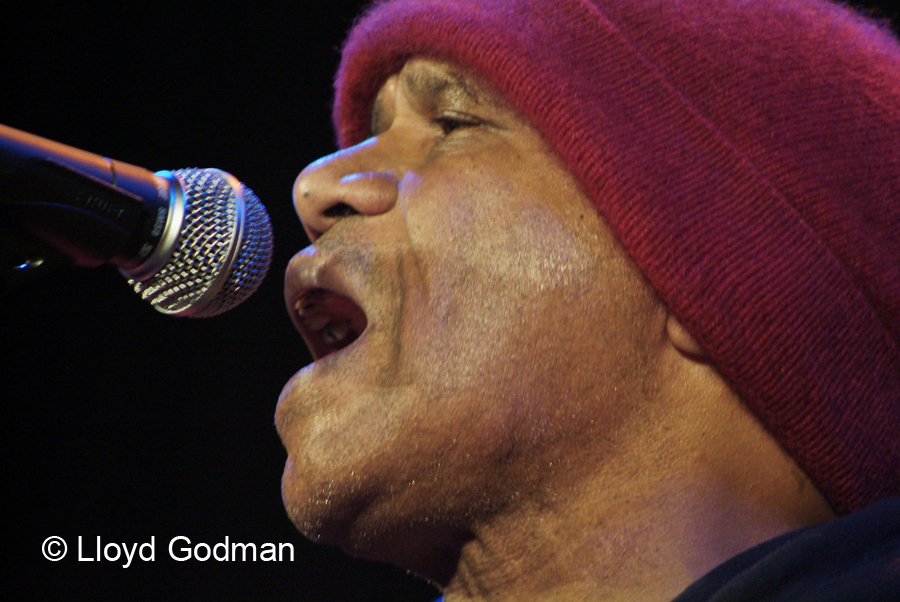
[
  {"x": 476, "y": 235},
  {"x": 496, "y": 264}
]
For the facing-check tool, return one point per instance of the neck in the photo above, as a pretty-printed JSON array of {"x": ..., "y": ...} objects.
[{"x": 657, "y": 517}]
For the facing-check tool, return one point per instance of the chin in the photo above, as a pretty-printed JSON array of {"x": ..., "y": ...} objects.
[
  {"x": 323, "y": 512},
  {"x": 365, "y": 525}
]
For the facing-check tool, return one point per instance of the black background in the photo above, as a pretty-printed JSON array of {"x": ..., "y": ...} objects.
[
  {"x": 119, "y": 421},
  {"x": 125, "y": 423}
]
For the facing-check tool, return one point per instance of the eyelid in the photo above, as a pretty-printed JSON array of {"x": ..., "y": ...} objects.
[{"x": 452, "y": 121}]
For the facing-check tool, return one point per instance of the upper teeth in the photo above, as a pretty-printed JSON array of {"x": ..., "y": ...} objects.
[
  {"x": 333, "y": 330},
  {"x": 311, "y": 314},
  {"x": 303, "y": 307},
  {"x": 334, "y": 318}
]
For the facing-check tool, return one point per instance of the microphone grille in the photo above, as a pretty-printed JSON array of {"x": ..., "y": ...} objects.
[{"x": 223, "y": 251}]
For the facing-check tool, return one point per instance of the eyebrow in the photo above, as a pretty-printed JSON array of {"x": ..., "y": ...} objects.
[{"x": 433, "y": 86}]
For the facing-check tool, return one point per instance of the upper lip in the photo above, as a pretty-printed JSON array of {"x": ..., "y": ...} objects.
[{"x": 331, "y": 315}]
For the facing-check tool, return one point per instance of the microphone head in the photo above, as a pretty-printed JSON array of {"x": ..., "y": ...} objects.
[{"x": 222, "y": 247}]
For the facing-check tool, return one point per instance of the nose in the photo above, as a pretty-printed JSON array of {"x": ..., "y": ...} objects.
[{"x": 349, "y": 182}]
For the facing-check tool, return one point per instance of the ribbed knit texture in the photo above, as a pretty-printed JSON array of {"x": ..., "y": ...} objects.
[{"x": 747, "y": 155}]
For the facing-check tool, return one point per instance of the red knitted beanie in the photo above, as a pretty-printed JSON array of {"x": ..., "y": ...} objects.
[{"x": 747, "y": 155}]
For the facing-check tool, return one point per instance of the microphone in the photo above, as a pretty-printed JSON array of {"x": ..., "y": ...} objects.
[{"x": 192, "y": 242}]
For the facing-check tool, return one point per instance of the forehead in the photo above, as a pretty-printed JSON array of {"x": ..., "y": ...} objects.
[{"x": 433, "y": 83}]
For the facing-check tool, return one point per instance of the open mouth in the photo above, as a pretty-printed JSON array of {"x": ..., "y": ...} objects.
[{"x": 328, "y": 321}]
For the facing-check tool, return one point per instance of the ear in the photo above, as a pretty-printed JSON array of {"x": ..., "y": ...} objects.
[{"x": 683, "y": 340}]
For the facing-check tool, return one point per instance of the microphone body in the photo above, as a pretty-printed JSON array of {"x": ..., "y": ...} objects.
[{"x": 192, "y": 242}]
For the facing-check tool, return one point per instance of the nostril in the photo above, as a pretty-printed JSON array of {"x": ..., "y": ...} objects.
[
  {"x": 340, "y": 210},
  {"x": 330, "y": 190}
]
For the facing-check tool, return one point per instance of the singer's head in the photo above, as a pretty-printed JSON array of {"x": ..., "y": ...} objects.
[{"x": 600, "y": 293}]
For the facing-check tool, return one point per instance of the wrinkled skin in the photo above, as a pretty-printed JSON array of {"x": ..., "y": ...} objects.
[
  {"x": 504, "y": 325},
  {"x": 520, "y": 417}
]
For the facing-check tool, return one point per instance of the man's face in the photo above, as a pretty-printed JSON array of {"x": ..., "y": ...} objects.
[{"x": 500, "y": 325}]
